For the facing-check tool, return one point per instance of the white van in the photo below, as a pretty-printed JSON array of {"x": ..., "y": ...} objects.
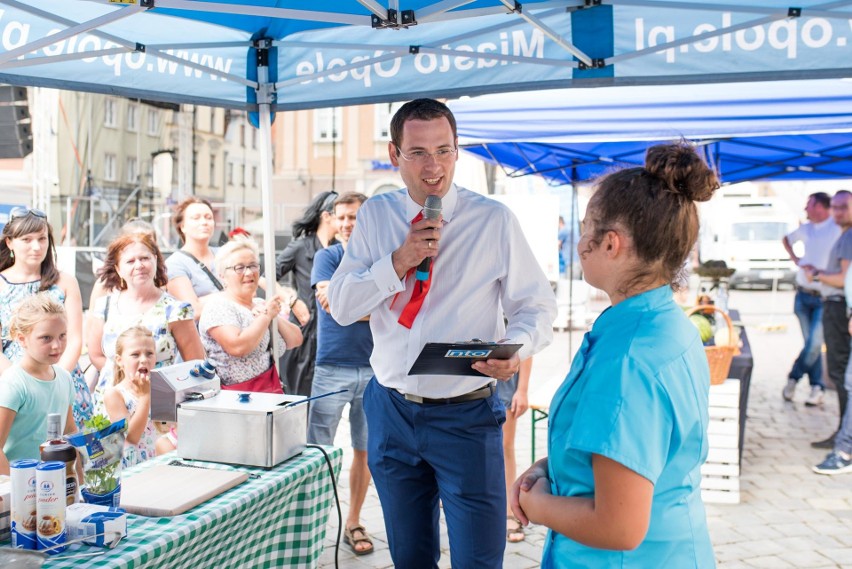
[{"x": 746, "y": 233}]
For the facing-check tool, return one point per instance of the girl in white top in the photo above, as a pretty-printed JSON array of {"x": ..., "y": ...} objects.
[{"x": 130, "y": 395}]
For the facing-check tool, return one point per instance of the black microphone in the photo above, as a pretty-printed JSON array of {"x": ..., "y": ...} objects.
[{"x": 431, "y": 210}]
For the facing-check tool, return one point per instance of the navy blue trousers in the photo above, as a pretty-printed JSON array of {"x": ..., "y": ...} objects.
[{"x": 420, "y": 453}]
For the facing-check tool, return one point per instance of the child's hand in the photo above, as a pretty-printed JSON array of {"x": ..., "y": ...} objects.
[{"x": 142, "y": 379}]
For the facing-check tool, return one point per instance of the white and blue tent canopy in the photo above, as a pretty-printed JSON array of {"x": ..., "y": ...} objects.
[
  {"x": 748, "y": 131},
  {"x": 268, "y": 55},
  {"x": 294, "y": 54}
]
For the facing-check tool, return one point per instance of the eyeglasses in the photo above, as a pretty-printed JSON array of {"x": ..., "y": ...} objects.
[
  {"x": 17, "y": 212},
  {"x": 241, "y": 269},
  {"x": 422, "y": 157}
]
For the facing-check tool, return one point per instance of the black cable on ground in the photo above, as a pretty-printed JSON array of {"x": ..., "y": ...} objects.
[{"x": 336, "y": 501}]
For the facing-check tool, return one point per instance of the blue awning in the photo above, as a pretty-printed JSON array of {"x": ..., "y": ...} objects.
[{"x": 749, "y": 131}]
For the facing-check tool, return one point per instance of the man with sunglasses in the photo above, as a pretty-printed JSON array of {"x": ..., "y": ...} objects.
[{"x": 439, "y": 436}]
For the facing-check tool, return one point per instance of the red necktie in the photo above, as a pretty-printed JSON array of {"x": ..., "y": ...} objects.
[{"x": 409, "y": 313}]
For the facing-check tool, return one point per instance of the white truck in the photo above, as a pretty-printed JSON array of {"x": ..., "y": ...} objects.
[{"x": 746, "y": 233}]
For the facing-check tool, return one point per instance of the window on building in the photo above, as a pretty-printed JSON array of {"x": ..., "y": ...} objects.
[
  {"x": 327, "y": 124},
  {"x": 254, "y": 176},
  {"x": 384, "y": 113},
  {"x": 111, "y": 113},
  {"x": 243, "y": 175},
  {"x": 212, "y": 120},
  {"x": 212, "y": 171},
  {"x": 132, "y": 171},
  {"x": 254, "y": 138},
  {"x": 110, "y": 167},
  {"x": 153, "y": 122},
  {"x": 243, "y": 135},
  {"x": 132, "y": 117},
  {"x": 230, "y": 173}
]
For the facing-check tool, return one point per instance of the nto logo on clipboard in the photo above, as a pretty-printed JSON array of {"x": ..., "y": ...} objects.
[
  {"x": 458, "y": 357},
  {"x": 468, "y": 353}
]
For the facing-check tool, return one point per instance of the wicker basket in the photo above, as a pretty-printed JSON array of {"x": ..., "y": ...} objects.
[{"x": 719, "y": 357}]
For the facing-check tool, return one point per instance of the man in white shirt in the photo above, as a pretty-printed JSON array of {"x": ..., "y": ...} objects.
[
  {"x": 439, "y": 436},
  {"x": 817, "y": 236}
]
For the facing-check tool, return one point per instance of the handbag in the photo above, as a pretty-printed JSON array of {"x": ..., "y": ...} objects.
[{"x": 266, "y": 382}]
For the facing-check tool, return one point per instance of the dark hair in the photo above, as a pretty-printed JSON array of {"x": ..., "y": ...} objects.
[
  {"x": 821, "y": 198},
  {"x": 655, "y": 205},
  {"x": 349, "y": 198},
  {"x": 310, "y": 220},
  {"x": 422, "y": 110},
  {"x": 108, "y": 273},
  {"x": 25, "y": 225},
  {"x": 180, "y": 211}
]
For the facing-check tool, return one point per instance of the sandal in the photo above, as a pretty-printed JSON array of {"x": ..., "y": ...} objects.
[
  {"x": 355, "y": 535},
  {"x": 514, "y": 534}
]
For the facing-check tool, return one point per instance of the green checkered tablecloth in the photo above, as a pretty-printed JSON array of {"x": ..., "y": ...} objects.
[{"x": 276, "y": 520}]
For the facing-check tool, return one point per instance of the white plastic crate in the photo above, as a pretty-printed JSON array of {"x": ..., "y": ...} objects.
[{"x": 720, "y": 475}]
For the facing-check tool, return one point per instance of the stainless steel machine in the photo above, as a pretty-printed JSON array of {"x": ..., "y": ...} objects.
[
  {"x": 172, "y": 385},
  {"x": 253, "y": 429}
]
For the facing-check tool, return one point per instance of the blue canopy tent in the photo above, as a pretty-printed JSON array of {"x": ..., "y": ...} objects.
[
  {"x": 268, "y": 55},
  {"x": 748, "y": 131}
]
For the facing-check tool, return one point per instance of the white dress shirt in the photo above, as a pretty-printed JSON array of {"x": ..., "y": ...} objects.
[
  {"x": 484, "y": 268},
  {"x": 818, "y": 239}
]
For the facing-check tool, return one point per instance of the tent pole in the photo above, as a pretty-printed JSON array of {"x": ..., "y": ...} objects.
[{"x": 264, "y": 95}]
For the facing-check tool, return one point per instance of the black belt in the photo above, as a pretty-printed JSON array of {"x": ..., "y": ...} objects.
[
  {"x": 809, "y": 291},
  {"x": 835, "y": 298},
  {"x": 481, "y": 393}
]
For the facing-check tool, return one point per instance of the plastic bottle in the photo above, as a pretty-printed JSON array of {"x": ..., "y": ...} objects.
[{"x": 722, "y": 297}]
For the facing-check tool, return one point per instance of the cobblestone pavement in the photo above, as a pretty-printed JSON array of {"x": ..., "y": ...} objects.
[{"x": 788, "y": 516}]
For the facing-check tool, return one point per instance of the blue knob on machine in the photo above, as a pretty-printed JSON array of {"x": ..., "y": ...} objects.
[{"x": 205, "y": 369}]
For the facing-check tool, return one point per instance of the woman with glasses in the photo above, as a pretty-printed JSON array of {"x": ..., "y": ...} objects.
[
  {"x": 314, "y": 231},
  {"x": 28, "y": 266},
  {"x": 135, "y": 271},
  {"x": 235, "y": 324},
  {"x": 192, "y": 268}
]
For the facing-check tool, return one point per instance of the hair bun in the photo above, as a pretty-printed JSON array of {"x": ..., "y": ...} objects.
[{"x": 682, "y": 170}]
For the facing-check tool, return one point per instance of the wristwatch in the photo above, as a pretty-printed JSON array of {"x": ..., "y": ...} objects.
[
  {"x": 815, "y": 275},
  {"x": 292, "y": 302}
]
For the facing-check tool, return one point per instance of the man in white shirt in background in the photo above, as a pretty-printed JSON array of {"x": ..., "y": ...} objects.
[
  {"x": 439, "y": 436},
  {"x": 817, "y": 236}
]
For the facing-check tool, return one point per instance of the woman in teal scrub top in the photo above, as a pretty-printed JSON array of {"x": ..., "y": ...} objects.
[{"x": 628, "y": 427}]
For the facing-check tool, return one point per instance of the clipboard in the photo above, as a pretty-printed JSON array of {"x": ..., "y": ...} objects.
[{"x": 457, "y": 357}]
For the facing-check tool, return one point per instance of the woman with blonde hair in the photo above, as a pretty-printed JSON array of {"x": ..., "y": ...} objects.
[
  {"x": 135, "y": 271},
  {"x": 235, "y": 324}
]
